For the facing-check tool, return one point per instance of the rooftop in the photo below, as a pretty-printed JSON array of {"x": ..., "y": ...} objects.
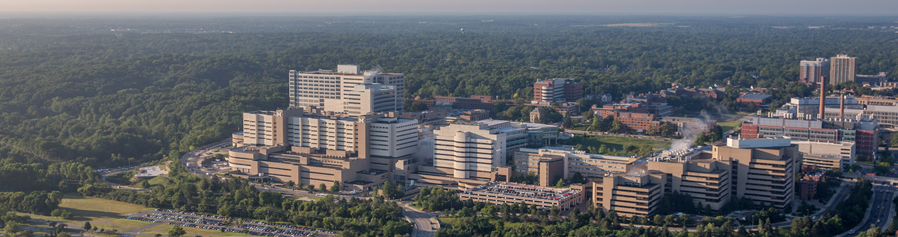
[
  {"x": 524, "y": 190},
  {"x": 756, "y": 96}
]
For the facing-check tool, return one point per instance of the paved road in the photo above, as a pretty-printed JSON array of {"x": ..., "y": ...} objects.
[
  {"x": 880, "y": 208},
  {"x": 118, "y": 186},
  {"x": 196, "y": 156},
  {"x": 425, "y": 225}
]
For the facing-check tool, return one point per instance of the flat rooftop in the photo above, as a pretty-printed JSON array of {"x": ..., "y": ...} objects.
[
  {"x": 757, "y": 96},
  {"x": 523, "y": 190}
]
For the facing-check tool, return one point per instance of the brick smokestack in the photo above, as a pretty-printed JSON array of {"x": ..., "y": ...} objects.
[
  {"x": 842, "y": 106},
  {"x": 822, "y": 99}
]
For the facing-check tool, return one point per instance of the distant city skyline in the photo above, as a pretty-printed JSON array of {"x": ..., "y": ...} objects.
[{"x": 410, "y": 7}]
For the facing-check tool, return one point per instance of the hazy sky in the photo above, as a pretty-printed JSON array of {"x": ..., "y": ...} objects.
[{"x": 362, "y": 7}]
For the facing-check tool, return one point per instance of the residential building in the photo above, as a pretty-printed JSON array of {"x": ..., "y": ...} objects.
[
  {"x": 841, "y": 69},
  {"x": 557, "y": 90},
  {"x": 536, "y": 115},
  {"x": 813, "y": 72},
  {"x": 344, "y": 89},
  {"x": 634, "y": 121}
]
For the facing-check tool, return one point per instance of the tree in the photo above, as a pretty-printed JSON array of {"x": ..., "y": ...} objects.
[
  {"x": 588, "y": 115},
  {"x": 578, "y": 178},
  {"x": 290, "y": 183},
  {"x": 666, "y": 130},
  {"x": 87, "y": 226},
  {"x": 567, "y": 122},
  {"x": 617, "y": 126},
  {"x": 336, "y": 187},
  {"x": 11, "y": 228},
  {"x": 389, "y": 189},
  {"x": 560, "y": 183},
  {"x": 322, "y": 187},
  {"x": 176, "y": 231},
  {"x": 311, "y": 187}
]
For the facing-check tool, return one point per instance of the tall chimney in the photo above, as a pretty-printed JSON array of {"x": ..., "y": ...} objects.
[
  {"x": 842, "y": 106},
  {"x": 822, "y": 99}
]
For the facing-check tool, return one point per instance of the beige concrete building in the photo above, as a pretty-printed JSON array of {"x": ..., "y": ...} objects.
[
  {"x": 760, "y": 169},
  {"x": 512, "y": 193},
  {"x": 308, "y": 146},
  {"x": 763, "y": 168},
  {"x": 552, "y": 163},
  {"x": 844, "y": 151},
  {"x": 471, "y": 151},
  {"x": 347, "y": 90},
  {"x": 629, "y": 194},
  {"x": 694, "y": 172},
  {"x": 827, "y": 162},
  {"x": 841, "y": 69}
]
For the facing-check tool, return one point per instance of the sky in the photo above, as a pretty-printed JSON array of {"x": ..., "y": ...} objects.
[{"x": 424, "y": 7}]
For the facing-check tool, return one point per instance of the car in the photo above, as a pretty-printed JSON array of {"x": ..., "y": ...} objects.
[{"x": 851, "y": 232}]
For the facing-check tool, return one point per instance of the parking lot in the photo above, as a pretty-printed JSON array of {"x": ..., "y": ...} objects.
[{"x": 220, "y": 223}]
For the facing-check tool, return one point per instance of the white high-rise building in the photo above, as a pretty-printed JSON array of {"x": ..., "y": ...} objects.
[
  {"x": 328, "y": 89},
  {"x": 471, "y": 150},
  {"x": 393, "y": 137}
]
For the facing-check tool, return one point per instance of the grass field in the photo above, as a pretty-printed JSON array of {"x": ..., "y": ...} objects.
[
  {"x": 618, "y": 143},
  {"x": 163, "y": 229},
  {"x": 726, "y": 126},
  {"x": 97, "y": 209},
  {"x": 121, "y": 224},
  {"x": 158, "y": 180}
]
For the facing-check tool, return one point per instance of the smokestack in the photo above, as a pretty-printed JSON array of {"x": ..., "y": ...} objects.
[
  {"x": 822, "y": 99},
  {"x": 842, "y": 106}
]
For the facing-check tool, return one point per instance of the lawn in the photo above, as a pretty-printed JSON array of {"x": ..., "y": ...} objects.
[
  {"x": 727, "y": 126},
  {"x": 613, "y": 142},
  {"x": 163, "y": 229},
  {"x": 97, "y": 209},
  {"x": 121, "y": 224},
  {"x": 155, "y": 181}
]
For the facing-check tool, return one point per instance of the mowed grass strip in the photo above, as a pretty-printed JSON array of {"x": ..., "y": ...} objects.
[
  {"x": 164, "y": 228},
  {"x": 121, "y": 224},
  {"x": 98, "y": 209}
]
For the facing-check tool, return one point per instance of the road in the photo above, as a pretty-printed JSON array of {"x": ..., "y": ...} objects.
[
  {"x": 196, "y": 156},
  {"x": 424, "y": 221},
  {"x": 118, "y": 186},
  {"x": 880, "y": 210}
]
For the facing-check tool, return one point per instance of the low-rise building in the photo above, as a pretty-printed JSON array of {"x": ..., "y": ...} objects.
[
  {"x": 475, "y": 115},
  {"x": 553, "y": 163},
  {"x": 513, "y": 193},
  {"x": 629, "y": 194},
  {"x": 827, "y": 155},
  {"x": 757, "y": 99}
]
